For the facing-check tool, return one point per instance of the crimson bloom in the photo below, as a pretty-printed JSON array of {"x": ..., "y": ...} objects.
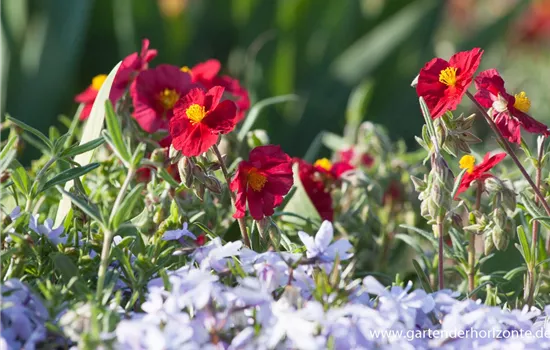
[
  {"x": 262, "y": 181},
  {"x": 443, "y": 83},
  {"x": 350, "y": 156},
  {"x": 206, "y": 74},
  {"x": 509, "y": 112},
  {"x": 316, "y": 188},
  {"x": 155, "y": 93},
  {"x": 335, "y": 170},
  {"x": 88, "y": 96},
  {"x": 199, "y": 117},
  {"x": 477, "y": 172}
]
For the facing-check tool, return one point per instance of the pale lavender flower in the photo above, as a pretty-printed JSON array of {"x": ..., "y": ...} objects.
[
  {"x": 47, "y": 230},
  {"x": 177, "y": 235},
  {"x": 321, "y": 248}
]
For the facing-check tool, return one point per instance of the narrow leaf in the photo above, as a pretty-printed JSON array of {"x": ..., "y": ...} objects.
[
  {"x": 32, "y": 130},
  {"x": 69, "y": 175},
  {"x": 127, "y": 206},
  {"x": 115, "y": 131},
  {"x": 79, "y": 149},
  {"x": 424, "y": 280},
  {"x": 89, "y": 209}
]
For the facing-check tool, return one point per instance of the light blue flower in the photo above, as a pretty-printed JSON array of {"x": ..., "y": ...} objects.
[
  {"x": 321, "y": 248},
  {"x": 47, "y": 230},
  {"x": 176, "y": 235}
]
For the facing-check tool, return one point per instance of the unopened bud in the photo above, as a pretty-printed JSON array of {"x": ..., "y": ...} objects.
[
  {"x": 185, "y": 170},
  {"x": 198, "y": 173},
  {"x": 508, "y": 199},
  {"x": 174, "y": 155},
  {"x": 493, "y": 184},
  {"x": 499, "y": 217},
  {"x": 419, "y": 185},
  {"x": 159, "y": 155},
  {"x": 500, "y": 238},
  {"x": 489, "y": 244},
  {"x": 199, "y": 189},
  {"x": 213, "y": 184}
]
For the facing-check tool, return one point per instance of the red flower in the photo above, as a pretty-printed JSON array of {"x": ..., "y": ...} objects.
[
  {"x": 349, "y": 156},
  {"x": 155, "y": 93},
  {"x": 509, "y": 112},
  {"x": 201, "y": 239},
  {"x": 130, "y": 67},
  {"x": 262, "y": 181},
  {"x": 316, "y": 189},
  {"x": 199, "y": 117},
  {"x": 206, "y": 74},
  {"x": 478, "y": 172},
  {"x": 335, "y": 170},
  {"x": 442, "y": 84},
  {"x": 87, "y": 97},
  {"x": 393, "y": 193}
]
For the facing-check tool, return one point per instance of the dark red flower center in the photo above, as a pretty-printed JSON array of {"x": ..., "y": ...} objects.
[
  {"x": 448, "y": 76},
  {"x": 256, "y": 180},
  {"x": 168, "y": 98}
]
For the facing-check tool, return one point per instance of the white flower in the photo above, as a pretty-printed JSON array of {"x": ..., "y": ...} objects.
[
  {"x": 174, "y": 235},
  {"x": 320, "y": 247}
]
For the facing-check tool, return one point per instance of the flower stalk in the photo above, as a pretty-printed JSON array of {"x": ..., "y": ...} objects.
[
  {"x": 472, "y": 246},
  {"x": 242, "y": 225},
  {"x": 510, "y": 152}
]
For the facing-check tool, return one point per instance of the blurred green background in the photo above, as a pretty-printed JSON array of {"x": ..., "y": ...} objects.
[{"x": 319, "y": 49}]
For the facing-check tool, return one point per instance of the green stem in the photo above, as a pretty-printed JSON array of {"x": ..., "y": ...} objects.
[
  {"x": 242, "y": 224},
  {"x": 122, "y": 192},
  {"x": 510, "y": 152},
  {"x": 472, "y": 247},
  {"x": 37, "y": 180},
  {"x": 440, "y": 269}
]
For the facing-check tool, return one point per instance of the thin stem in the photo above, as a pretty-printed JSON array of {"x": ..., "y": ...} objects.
[
  {"x": 472, "y": 246},
  {"x": 510, "y": 152},
  {"x": 242, "y": 225},
  {"x": 122, "y": 192},
  {"x": 440, "y": 252},
  {"x": 105, "y": 251}
]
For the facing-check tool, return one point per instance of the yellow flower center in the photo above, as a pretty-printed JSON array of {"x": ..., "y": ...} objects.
[
  {"x": 323, "y": 163},
  {"x": 256, "y": 180},
  {"x": 522, "y": 103},
  {"x": 195, "y": 113},
  {"x": 448, "y": 76},
  {"x": 185, "y": 69},
  {"x": 168, "y": 98},
  {"x": 98, "y": 81},
  {"x": 467, "y": 162}
]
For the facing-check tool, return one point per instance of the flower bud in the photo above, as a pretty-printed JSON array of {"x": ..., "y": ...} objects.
[
  {"x": 198, "y": 189},
  {"x": 419, "y": 185},
  {"x": 489, "y": 244},
  {"x": 198, "y": 173},
  {"x": 508, "y": 199},
  {"x": 213, "y": 184},
  {"x": 174, "y": 155},
  {"x": 185, "y": 169},
  {"x": 493, "y": 184},
  {"x": 159, "y": 155},
  {"x": 500, "y": 238}
]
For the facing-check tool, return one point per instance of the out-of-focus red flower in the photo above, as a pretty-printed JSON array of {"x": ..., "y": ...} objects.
[
  {"x": 509, "y": 112},
  {"x": 349, "y": 156},
  {"x": 199, "y": 117},
  {"x": 201, "y": 239},
  {"x": 477, "y": 172},
  {"x": 535, "y": 22},
  {"x": 206, "y": 74},
  {"x": 316, "y": 189},
  {"x": 128, "y": 70},
  {"x": 443, "y": 83},
  {"x": 262, "y": 181},
  {"x": 335, "y": 170},
  {"x": 155, "y": 93},
  {"x": 87, "y": 97},
  {"x": 393, "y": 193}
]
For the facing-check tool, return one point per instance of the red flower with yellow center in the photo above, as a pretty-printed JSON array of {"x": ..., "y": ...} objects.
[
  {"x": 155, "y": 93},
  {"x": 316, "y": 188},
  {"x": 443, "y": 83},
  {"x": 199, "y": 118},
  {"x": 206, "y": 75},
  {"x": 262, "y": 181},
  {"x": 509, "y": 112},
  {"x": 335, "y": 170},
  {"x": 129, "y": 68},
  {"x": 477, "y": 172}
]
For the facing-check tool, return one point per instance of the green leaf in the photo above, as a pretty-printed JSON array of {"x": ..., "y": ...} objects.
[
  {"x": 113, "y": 126},
  {"x": 424, "y": 280},
  {"x": 163, "y": 173},
  {"x": 20, "y": 178},
  {"x": 127, "y": 206},
  {"x": 524, "y": 243},
  {"x": 59, "y": 143},
  {"x": 78, "y": 149},
  {"x": 6, "y": 160},
  {"x": 69, "y": 273},
  {"x": 9, "y": 146},
  {"x": 366, "y": 54},
  {"x": 90, "y": 209},
  {"x": 68, "y": 175},
  {"x": 300, "y": 203},
  {"x": 427, "y": 119},
  {"x": 32, "y": 130},
  {"x": 138, "y": 155},
  {"x": 257, "y": 108}
]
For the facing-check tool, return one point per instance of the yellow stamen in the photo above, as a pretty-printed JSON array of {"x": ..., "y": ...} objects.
[
  {"x": 168, "y": 98},
  {"x": 256, "y": 180},
  {"x": 185, "y": 69},
  {"x": 323, "y": 163},
  {"x": 467, "y": 162},
  {"x": 448, "y": 76},
  {"x": 522, "y": 103},
  {"x": 195, "y": 113},
  {"x": 98, "y": 81}
]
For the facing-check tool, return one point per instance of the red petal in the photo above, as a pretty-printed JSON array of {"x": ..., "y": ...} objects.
[
  {"x": 213, "y": 97},
  {"x": 255, "y": 203},
  {"x": 467, "y": 63},
  {"x": 191, "y": 140},
  {"x": 431, "y": 89},
  {"x": 206, "y": 70},
  {"x": 487, "y": 164},
  {"x": 530, "y": 124},
  {"x": 509, "y": 127},
  {"x": 222, "y": 119}
]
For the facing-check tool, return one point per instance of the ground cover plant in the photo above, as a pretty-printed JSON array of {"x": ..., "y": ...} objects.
[{"x": 159, "y": 217}]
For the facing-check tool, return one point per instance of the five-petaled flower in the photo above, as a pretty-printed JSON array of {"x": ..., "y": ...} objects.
[
  {"x": 320, "y": 247},
  {"x": 443, "y": 83},
  {"x": 155, "y": 93},
  {"x": 477, "y": 172},
  {"x": 88, "y": 96},
  {"x": 262, "y": 181},
  {"x": 316, "y": 189},
  {"x": 206, "y": 75},
  {"x": 199, "y": 118},
  {"x": 509, "y": 112}
]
